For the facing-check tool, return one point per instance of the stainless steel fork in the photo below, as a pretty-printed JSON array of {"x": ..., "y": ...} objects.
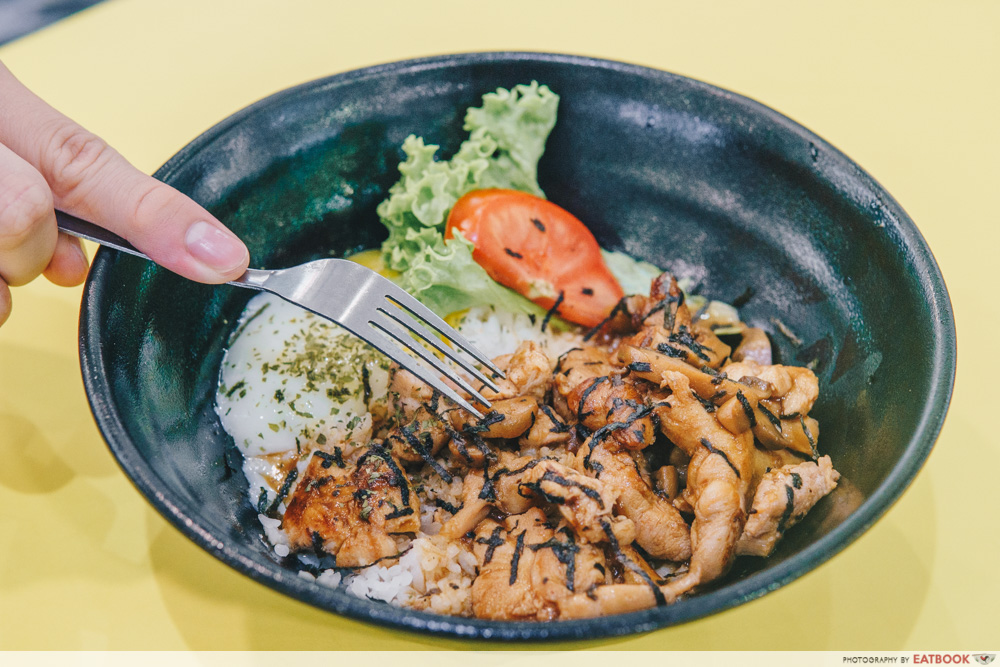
[{"x": 371, "y": 307}]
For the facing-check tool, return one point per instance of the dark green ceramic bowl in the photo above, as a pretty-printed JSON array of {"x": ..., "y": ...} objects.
[{"x": 670, "y": 170}]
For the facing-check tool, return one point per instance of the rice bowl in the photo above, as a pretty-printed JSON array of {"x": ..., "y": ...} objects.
[{"x": 151, "y": 361}]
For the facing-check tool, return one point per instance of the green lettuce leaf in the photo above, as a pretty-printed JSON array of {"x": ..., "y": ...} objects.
[
  {"x": 445, "y": 278},
  {"x": 634, "y": 275},
  {"x": 507, "y": 138}
]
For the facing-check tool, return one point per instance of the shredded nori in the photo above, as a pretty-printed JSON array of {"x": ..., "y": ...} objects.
[
  {"x": 619, "y": 307},
  {"x": 558, "y": 426},
  {"x": 671, "y": 351},
  {"x": 395, "y": 514},
  {"x": 640, "y": 366},
  {"x": 809, "y": 435},
  {"x": 516, "y": 559},
  {"x": 684, "y": 337},
  {"x": 262, "y": 502},
  {"x": 538, "y": 224},
  {"x": 708, "y": 445},
  {"x": 314, "y": 483},
  {"x": 330, "y": 459},
  {"x": 488, "y": 492},
  {"x": 460, "y": 444},
  {"x": 399, "y": 479},
  {"x": 708, "y": 370},
  {"x": 446, "y": 506},
  {"x": 671, "y": 305},
  {"x": 515, "y": 255},
  {"x": 424, "y": 450},
  {"x": 283, "y": 491},
  {"x": 705, "y": 403},
  {"x": 627, "y": 562},
  {"x": 504, "y": 472},
  {"x": 796, "y": 480},
  {"x": 491, "y": 543},
  {"x": 771, "y": 417},
  {"x": 483, "y": 425},
  {"x": 747, "y": 408},
  {"x": 580, "y": 414},
  {"x": 317, "y": 543},
  {"x": 565, "y": 553},
  {"x": 554, "y": 310},
  {"x": 609, "y": 428},
  {"x": 562, "y": 358},
  {"x": 365, "y": 383},
  {"x": 555, "y": 478},
  {"x": 789, "y": 508}
]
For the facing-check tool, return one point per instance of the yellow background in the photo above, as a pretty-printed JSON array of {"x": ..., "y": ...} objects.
[{"x": 908, "y": 89}]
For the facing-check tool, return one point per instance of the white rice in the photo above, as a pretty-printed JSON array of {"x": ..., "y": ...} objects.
[{"x": 498, "y": 332}]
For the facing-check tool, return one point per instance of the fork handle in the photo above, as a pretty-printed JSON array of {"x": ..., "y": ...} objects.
[{"x": 74, "y": 226}]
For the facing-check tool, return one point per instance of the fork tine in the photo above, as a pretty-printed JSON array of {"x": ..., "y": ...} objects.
[
  {"x": 397, "y": 295},
  {"x": 389, "y": 349},
  {"x": 399, "y": 334},
  {"x": 412, "y": 326}
]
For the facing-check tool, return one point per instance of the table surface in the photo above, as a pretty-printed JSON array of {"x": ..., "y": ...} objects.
[{"x": 909, "y": 90}]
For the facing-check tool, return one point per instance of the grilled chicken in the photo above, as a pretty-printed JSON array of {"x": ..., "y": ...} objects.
[
  {"x": 526, "y": 567},
  {"x": 783, "y": 497},
  {"x": 528, "y": 372},
  {"x": 611, "y": 599},
  {"x": 795, "y": 388},
  {"x": 352, "y": 512},
  {"x": 508, "y": 418},
  {"x": 420, "y": 437},
  {"x": 718, "y": 480},
  {"x": 548, "y": 429},
  {"x": 659, "y": 527},
  {"x": 517, "y": 484},
  {"x": 615, "y": 404}
]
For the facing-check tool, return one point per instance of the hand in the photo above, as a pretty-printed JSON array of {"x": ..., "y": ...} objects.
[{"x": 47, "y": 161}]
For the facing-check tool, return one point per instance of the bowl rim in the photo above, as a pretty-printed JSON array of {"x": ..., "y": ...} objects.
[{"x": 917, "y": 450}]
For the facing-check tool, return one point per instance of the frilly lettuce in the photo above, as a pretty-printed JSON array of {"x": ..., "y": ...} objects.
[
  {"x": 507, "y": 138},
  {"x": 446, "y": 279},
  {"x": 634, "y": 275}
]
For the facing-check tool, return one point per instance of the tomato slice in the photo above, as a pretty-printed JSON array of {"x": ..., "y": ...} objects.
[{"x": 539, "y": 250}]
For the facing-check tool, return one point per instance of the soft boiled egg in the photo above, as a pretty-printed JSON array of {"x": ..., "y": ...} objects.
[{"x": 291, "y": 379}]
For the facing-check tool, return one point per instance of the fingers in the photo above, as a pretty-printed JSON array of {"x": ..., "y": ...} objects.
[
  {"x": 91, "y": 180},
  {"x": 69, "y": 264},
  {"x": 27, "y": 222},
  {"x": 4, "y": 302}
]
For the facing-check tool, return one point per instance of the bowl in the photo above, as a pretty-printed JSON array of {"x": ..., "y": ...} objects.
[{"x": 707, "y": 183}]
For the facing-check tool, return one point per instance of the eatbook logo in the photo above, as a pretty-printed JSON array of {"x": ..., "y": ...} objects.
[{"x": 985, "y": 658}]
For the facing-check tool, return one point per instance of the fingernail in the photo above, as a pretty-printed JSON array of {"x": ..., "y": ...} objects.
[{"x": 216, "y": 248}]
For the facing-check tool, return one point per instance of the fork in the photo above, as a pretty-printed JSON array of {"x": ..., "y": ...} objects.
[{"x": 358, "y": 299}]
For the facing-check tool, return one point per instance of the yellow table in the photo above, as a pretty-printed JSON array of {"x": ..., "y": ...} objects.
[{"x": 909, "y": 90}]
